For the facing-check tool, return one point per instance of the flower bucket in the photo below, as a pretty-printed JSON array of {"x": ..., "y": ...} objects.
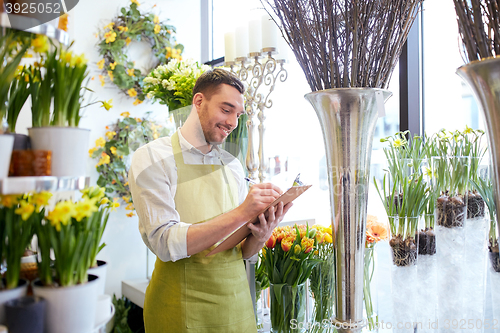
[
  {"x": 69, "y": 309},
  {"x": 10, "y": 294},
  {"x": 25, "y": 314},
  {"x": 6, "y": 144},
  {"x": 288, "y": 308},
  {"x": 69, "y": 146},
  {"x": 100, "y": 271}
]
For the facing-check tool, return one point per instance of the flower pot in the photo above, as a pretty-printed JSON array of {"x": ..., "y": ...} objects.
[
  {"x": 25, "y": 314},
  {"x": 21, "y": 141},
  {"x": 69, "y": 309},
  {"x": 69, "y": 146},
  {"x": 6, "y": 144},
  {"x": 288, "y": 308},
  {"x": 10, "y": 294},
  {"x": 100, "y": 271}
]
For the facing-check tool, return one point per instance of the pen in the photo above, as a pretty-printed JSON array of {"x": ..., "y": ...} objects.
[{"x": 250, "y": 181}]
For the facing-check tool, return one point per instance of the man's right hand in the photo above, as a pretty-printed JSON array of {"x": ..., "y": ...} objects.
[{"x": 259, "y": 197}]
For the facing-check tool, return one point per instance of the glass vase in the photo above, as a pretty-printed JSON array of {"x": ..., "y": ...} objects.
[
  {"x": 370, "y": 299},
  {"x": 288, "y": 308},
  {"x": 404, "y": 249},
  {"x": 322, "y": 289}
]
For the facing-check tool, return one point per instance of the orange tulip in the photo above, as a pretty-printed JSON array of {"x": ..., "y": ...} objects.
[
  {"x": 286, "y": 245},
  {"x": 307, "y": 244},
  {"x": 271, "y": 242}
]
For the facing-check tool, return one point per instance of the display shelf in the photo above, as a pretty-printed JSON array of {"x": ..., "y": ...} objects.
[
  {"x": 135, "y": 290},
  {"x": 46, "y": 29},
  {"x": 107, "y": 325},
  {"x": 16, "y": 185}
]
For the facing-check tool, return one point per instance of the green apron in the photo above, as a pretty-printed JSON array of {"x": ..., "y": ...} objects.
[{"x": 200, "y": 294}]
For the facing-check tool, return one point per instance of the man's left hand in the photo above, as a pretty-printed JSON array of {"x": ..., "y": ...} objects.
[{"x": 268, "y": 221}]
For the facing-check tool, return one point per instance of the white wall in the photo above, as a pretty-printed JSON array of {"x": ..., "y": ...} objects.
[{"x": 125, "y": 251}]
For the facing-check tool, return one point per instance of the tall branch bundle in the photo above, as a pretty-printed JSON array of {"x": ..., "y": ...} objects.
[
  {"x": 345, "y": 43},
  {"x": 479, "y": 27}
]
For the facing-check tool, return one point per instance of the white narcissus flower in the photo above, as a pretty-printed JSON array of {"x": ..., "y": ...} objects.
[{"x": 171, "y": 85}]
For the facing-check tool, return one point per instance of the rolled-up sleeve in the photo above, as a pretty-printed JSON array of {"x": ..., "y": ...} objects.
[{"x": 153, "y": 191}]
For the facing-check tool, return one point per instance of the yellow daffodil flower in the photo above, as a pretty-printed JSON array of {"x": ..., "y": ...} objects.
[
  {"x": 41, "y": 199},
  {"x": 131, "y": 214},
  {"x": 132, "y": 92},
  {"x": 104, "y": 201},
  {"x": 139, "y": 120},
  {"x": 25, "y": 210},
  {"x": 8, "y": 200},
  {"x": 130, "y": 72},
  {"x": 107, "y": 105},
  {"x": 114, "y": 205},
  {"x": 100, "y": 142},
  {"x": 113, "y": 150},
  {"x": 100, "y": 64},
  {"x": 126, "y": 184},
  {"x": 397, "y": 143},
  {"x": 130, "y": 206},
  {"x": 157, "y": 29},
  {"x": 136, "y": 2},
  {"x": 85, "y": 208},
  {"x": 123, "y": 29},
  {"x": 126, "y": 199},
  {"x": 110, "y": 135},
  {"x": 156, "y": 20},
  {"x": 109, "y": 26},
  {"x": 112, "y": 66},
  {"x": 110, "y": 74},
  {"x": 40, "y": 44},
  {"x": 128, "y": 40},
  {"x": 101, "y": 78},
  {"x": 110, "y": 37},
  {"x": 137, "y": 101},
  {"x": 125, "y": 114}
]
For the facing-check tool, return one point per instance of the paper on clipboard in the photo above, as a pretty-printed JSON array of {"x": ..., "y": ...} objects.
[{"x": 242, "y": 231}]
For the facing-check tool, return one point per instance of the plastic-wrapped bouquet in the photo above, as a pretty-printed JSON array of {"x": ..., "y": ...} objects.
[{"x": 172, "y": 84}]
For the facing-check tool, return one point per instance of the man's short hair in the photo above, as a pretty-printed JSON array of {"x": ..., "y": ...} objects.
[{"x": 209, "y": 82}]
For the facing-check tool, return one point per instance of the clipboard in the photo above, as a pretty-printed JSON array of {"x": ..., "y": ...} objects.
[{"x": 242, "y": 231}]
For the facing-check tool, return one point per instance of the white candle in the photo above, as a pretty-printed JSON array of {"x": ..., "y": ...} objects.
[
  {"x": 254, "y": 36},
  {"x": 269, "y": 32},
  {"x": 241, "y": 40},
  {"x": 229, "y": 47},
  {"x": 283, "y": 48}
]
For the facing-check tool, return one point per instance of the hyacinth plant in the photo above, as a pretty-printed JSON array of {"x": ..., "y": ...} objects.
[
  {"x": 375, "y": 232},
  {"x": 18, "y": 216},
  {"x": 73, "y": 231},
  {"x": 321, "y": 281},
  {"x": 288, "y": 257},
  {"x": 172, "y": 84}
]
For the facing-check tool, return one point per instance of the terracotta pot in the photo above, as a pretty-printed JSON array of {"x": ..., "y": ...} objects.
[{"x": 30, "y": 163}]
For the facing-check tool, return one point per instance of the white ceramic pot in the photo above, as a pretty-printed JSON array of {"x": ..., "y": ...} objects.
[
  {"x": 6, "y": 144},
  {"x": 69, "y": 309},
  {"x": 69, "y": 146},
  {"x": 10, "y": 294},
  {"x": 103, "y": 309},
  {"x": 100, "y": 271}
]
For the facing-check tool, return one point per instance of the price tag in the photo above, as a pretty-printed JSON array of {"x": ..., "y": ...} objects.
[{"x": 380, "y": 103}]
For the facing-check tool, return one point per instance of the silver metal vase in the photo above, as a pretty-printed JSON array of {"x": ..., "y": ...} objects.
[
  {"x": 484, "y": 79},
  {"x": 348, "y": 117}
]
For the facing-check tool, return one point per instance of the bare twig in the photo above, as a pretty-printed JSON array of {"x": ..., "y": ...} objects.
[
  {"x": 345, "y": 43},
  {"x": 479, "y": 27}
]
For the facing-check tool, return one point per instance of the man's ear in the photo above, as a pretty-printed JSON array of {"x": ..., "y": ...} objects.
[{"x": 197, "y": 100}]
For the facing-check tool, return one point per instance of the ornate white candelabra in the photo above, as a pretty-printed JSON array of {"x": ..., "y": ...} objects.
[{"x": 260, "y": 71}]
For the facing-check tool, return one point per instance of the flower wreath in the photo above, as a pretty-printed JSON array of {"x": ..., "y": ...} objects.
[
  {"x": 132, "y": 25},
  {"x": 120, "y": 140}
]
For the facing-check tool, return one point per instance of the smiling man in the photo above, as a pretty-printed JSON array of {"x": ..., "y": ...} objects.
[{"x": 189, "y": 194}]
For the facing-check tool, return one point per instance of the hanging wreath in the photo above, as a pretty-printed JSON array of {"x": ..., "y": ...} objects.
[
  {"x": 114, "y": 38},
  {"x": 119, "y": 142}
]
